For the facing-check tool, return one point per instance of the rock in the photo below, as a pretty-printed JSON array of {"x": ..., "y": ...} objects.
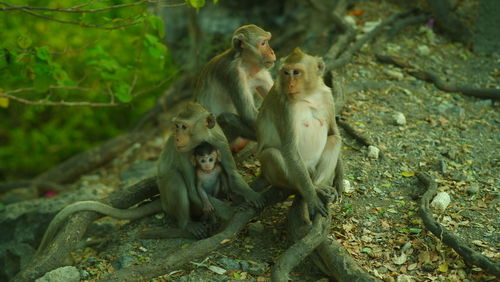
[
  {"x": 61, "y": 274},
  {"x": 257, "y": 269},
  {"x": 394, "y": 74},
  {"x": 245, "y": 265},
  {"x": 373, "y": 152},
  {"x": 423, "y": 50},
  {"x": 229, "y": 264},
  {"x": 441, "y": 201},
  {"x": 399, "y": 118},
  {"x": 13, "y": 256},
  {"x": 473, "y": 188},
  {"x": 123, "y": 261},
  {"x": 84, "y": 274},
  {"x": 255, "y": 228},
  {"x": 348, "y": 188}
]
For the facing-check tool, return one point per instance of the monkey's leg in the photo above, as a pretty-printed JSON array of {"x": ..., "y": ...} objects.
[
  {"x": 175, "y": 202},
  {"x": 233, "y": 127},
  {"x": 326, "y": 168},
  {"x": 274, "y": 168}
]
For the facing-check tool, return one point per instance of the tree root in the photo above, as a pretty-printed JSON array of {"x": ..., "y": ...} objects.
[
  {"x": 330, "y": 257},
  {"x": 172, "y": 261},
  {"x": 348, "y": 54},
  {"x": 469, "y": 255},
  {"x": 57, "y": 254},
  {"x": 302, "y": 247},
  {"x": 484, "y": 93},
  {"x": 353, "y": 133}
]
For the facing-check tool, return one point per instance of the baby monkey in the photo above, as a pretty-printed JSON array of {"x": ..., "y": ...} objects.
[{"x": 210, "y": 177}]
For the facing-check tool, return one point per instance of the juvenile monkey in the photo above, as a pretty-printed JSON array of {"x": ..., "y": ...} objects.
[
  {"x": 210, "y": 178},
  {"x": 234, "y": 82},
  {"x": 176, "y": 179},
  {"x": 299, "y": 141}
]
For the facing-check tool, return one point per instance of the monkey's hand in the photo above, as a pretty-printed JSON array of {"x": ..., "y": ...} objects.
[
  {"x": 208, "y": 208},
  {"x": 255, "y": 199}
]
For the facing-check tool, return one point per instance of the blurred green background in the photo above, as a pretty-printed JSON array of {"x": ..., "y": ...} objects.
[{"x": 121, "y": 59}]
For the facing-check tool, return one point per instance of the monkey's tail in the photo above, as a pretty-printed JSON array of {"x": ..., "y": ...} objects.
[{"x": 99, "y": 207}]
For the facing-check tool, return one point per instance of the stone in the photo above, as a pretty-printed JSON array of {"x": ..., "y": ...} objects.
[
  {"x": 399, "y": 118},
  {"x": 441, "y": 201},
  {"x": 373, "y": 152},
  {"x": 61, "y": 274}
]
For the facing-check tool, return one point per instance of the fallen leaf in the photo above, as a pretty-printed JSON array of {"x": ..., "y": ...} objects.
[
  {"x": 443, "y": 267},
  {"x": 225, "y": 241},
  {"x": 216, "y": 269},
  {"x": 407, "y": 174},
  {"x": 4, "y": 102},
  {"x": 400, "y": 260}
]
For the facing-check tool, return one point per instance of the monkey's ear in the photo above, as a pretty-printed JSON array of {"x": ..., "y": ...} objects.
[
  {"x": 193, "y": 160},
  {"x": 210, "y": 121},
  {"x": 219, "y": 158},
  {"x": 238, "y": 42},
  {"x": 321, "y": 66}
]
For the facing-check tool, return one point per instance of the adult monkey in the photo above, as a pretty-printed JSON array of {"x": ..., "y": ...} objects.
[
  {"x": 176, "y": 179},
  {"x": 299, "y": 141},
  {"x": 228, "y": 84}
]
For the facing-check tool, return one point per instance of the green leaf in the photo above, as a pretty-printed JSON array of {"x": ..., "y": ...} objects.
[
  {"x": 367, "y": 250},
  {"x": 196, "y": 3},
  {"x": 415, "y": 230},
  {"x": 24, "y": 42},
  {"x": 407, "y": 173},
  {"x": 157, "y": 24},
  {"x": 43, "y": 53},
  {"x": 121, "y": 92}
]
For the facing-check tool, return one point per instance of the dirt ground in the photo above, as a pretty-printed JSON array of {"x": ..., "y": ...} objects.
[{"x": 452, "y": 137}]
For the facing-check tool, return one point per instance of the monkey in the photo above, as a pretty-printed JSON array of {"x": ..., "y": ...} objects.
[
  {"x": 210, "y": 178},
  {"x": 232, "y": 84},
  {"x": 299, "y": 143},
  {"x": 176, "y": 179}
]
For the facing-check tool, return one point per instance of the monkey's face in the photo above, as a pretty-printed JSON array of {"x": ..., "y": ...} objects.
[
  {"x": 207, "y": 162},
  {"x": 183, "y": 140},
  {"x": 266, "y": 52},
  {"x": 292, "y": 78}
]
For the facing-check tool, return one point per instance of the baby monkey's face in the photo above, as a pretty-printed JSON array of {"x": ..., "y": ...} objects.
[{"x": 207, "y": 162}]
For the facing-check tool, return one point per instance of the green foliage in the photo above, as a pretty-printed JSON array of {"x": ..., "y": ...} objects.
[{"x": 71, "y": 63}]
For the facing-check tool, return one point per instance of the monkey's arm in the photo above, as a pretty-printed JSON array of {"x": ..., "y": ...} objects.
[
  {"x": 207, "y": 206},
  {"x": 242, "y": 98}
]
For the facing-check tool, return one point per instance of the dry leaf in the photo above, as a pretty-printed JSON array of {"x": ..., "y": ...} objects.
[{"x": 407, "y": 174}]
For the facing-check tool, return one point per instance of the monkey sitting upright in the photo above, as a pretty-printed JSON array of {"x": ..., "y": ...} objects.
[
  {"x": 233, "y": 83},
  {"x": 210, "y": 177}
]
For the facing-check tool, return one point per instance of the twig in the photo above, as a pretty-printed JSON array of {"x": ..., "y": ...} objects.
[
  {"x": 485, "y": 93},
  {"x": 468, "y": 254}
]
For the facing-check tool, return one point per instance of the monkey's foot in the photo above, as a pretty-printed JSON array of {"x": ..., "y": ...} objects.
[
  {"x": 238, "y": 144},
  {"x": 327, "y": 194},
  {"x": 198, "y": 229}
]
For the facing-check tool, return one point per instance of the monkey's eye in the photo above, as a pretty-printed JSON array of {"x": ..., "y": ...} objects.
[
  {"x": 211, "y": 159},
  {"x": 296, "y": 72},
  {"x": 263, "y": 43},
  {"x": 203, "y": 161}
]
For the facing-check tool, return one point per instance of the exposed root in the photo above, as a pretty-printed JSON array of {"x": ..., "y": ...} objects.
[
  {"x": 167, "y": 262},
  {"x": 330, "y": 257},
  {"x": 469, "y": 255},
  {"x": 302, "y": 247},
  {"x": 56, "y": 255},
  {"x": 484, "y": 93}
]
